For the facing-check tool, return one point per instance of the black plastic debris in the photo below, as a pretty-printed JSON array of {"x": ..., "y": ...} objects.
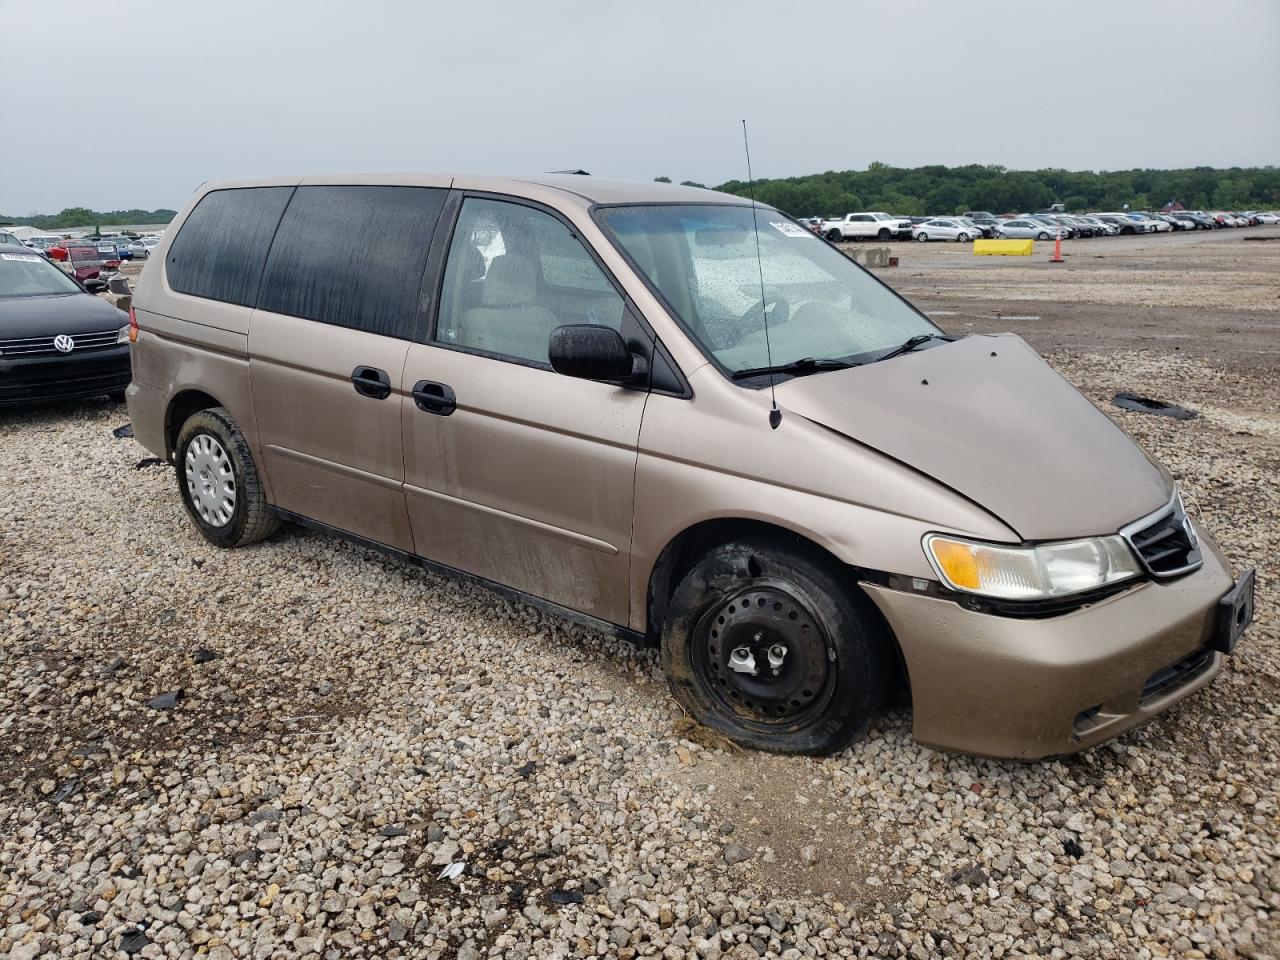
[
  {"x": 166, "y": 701},
  {"x": 973, "y": 876},
  {"x": 134, "y": 941},
  {"x": 204, "y": 655},
  {"x": 390, "y": 831},
  {"x": 121, "y": 432},
  {"x": 565, "y": 896},
  {"x": 526, "y": 768},
  {"x": 66, "y": 791},
  {"x": 111, "y": 667},
  {"x": 90, "y": 918},
  {"x": 148, "y": 462},
  {"x": 1131, "y": 401},
  {"x": 1072, "y": 849}
]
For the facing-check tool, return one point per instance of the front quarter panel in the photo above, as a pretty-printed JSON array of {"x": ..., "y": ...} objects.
[{"x": 716, "y": 457}]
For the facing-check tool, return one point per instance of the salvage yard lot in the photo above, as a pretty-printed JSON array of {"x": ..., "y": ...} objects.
[{"x": 347, "y": 725}]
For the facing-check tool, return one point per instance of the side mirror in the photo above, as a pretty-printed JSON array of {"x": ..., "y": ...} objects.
[
  {"x": 119, "y": 285},
  {"x": 592, "y": 352}
]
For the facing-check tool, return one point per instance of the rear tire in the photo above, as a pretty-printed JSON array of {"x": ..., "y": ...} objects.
[
  {"x": 834, "y": 236},
  {"x": 1042, "y": 235},
  {"x": 219, "y": 482},
  {"x": 822, "y": 657}
]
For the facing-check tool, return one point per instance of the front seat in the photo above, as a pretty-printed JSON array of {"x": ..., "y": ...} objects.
[{"x": 509, "y": 320}]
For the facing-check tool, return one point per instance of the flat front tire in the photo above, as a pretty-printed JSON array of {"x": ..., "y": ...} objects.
[
  {"x": 770, "y": 646},
  {"x": 219, "y": 482}
]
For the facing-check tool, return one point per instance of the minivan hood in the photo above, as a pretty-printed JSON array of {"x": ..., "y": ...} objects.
[{"x": 987, "y": 417}]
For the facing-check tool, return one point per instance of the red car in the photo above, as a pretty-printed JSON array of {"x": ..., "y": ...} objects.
[{"x": 89, "y": 262}]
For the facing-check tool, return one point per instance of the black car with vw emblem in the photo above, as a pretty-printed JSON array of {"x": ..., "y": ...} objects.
[{"x": 57, "y": 340}]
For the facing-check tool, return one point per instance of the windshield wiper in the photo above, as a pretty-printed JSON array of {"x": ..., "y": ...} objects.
[
  {"x": 911, "y": 344},
  {"x": 797, "y": 368}
]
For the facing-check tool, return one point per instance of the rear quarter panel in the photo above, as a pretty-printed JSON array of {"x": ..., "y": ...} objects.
[{"x": 190, "y": 343}]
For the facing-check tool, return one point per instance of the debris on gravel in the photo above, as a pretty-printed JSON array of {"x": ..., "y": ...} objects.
[{"x": 1131, "y": 401}]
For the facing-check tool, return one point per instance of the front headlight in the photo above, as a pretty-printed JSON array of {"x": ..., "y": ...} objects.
[
  {"x": 122, "y": 335},
  {"x": 1033, "y": 572}
]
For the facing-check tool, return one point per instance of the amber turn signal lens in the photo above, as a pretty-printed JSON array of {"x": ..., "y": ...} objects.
[{"x": 958, "y": 563}]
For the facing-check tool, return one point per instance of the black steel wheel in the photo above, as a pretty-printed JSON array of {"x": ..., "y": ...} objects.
[
  {"x": 769, "y": 645},
  {"x": 764, "y": 657}
]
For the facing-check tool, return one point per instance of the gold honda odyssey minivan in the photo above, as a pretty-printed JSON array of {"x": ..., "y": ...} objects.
[{"x": 681, "y": 417}]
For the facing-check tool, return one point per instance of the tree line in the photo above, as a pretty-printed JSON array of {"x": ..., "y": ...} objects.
[
  {"x": 920, "y": 191},
  {"x": 84, "y": 217}
]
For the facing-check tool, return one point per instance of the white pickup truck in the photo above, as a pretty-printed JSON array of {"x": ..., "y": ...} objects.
[{"x": 864, "y": 226}]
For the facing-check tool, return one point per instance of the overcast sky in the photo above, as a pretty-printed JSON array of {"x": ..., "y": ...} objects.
[{"x": 133, "y": 104}]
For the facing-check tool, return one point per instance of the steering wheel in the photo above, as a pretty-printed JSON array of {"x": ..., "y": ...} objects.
[{"x": 779, "y": 312}]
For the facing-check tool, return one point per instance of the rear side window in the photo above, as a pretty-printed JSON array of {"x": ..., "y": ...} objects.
[
  {"x": 219, "y": 251},
  {"x": 353, "y": 256}
]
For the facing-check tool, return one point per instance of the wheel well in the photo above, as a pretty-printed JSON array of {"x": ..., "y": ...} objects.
[
  {"x": 685, "y": 549},
  {"x": 182, "y": 406}
]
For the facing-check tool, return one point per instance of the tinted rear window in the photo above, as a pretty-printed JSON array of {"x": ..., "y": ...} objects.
[
  {"x": 220, "y": 250},
  {"x": 353, "y": 256}
]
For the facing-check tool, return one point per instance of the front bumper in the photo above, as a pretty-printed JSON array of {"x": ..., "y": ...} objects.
[
  {"x": 1033, "y": 688},
  {"x": 88, "y": 374}
]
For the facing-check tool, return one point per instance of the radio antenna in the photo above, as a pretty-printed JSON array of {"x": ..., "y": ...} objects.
[{"x": 775, "y": 415}]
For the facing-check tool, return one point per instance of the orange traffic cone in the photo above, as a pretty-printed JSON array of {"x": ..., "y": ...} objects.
[{"x": 1057, "y": 248}]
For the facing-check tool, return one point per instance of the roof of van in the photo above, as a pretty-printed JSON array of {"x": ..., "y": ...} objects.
[
  {"x": 586, "y": 188},
  {"x": 598, "y": 190}
]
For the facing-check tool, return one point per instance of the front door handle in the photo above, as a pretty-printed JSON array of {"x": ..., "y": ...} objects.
[
  {"x": 371, "y": 382},
  {"x": 432, "y": 397}
]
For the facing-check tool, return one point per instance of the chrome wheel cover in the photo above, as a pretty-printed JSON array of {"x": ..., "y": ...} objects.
[{"x": 211, "y": 481}]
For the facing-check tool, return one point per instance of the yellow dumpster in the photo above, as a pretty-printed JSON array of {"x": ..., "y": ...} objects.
[{"x": 1003, "y": 248}]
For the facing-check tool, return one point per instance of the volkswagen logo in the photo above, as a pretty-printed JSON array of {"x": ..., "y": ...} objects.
[{"x": 63, "y": 344}]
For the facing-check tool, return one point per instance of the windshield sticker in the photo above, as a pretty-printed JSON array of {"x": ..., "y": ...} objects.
[
  {"x": 22, "y": 257},
  {"x": 789, "y": 229}
]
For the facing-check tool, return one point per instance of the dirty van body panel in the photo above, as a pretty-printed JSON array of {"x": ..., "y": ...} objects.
[
  {"x": 718, "y": 459},
  {"x": 989, "y": 418},
  {"x": 332, "y": 453},
  {"x": 528, "y": 482},
  {"x": 1006, "y": 687},
  {"x": 207, "y": 353}
]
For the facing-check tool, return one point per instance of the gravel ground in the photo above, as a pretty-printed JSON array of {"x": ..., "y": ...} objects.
[{"x": 343, "y": 726}]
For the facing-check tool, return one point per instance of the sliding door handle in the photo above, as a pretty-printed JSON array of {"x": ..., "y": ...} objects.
[{"x": 371, "y": 382}]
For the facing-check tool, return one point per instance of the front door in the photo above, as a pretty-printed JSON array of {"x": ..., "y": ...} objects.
[
  {"x": 513, "y": 472},
  {"x": 339, "y": 302}
]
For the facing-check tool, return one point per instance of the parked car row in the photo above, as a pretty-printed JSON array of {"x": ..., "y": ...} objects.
[
  {"x": 124, "y": 247},
  {"x": 977, "y": 224}
]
